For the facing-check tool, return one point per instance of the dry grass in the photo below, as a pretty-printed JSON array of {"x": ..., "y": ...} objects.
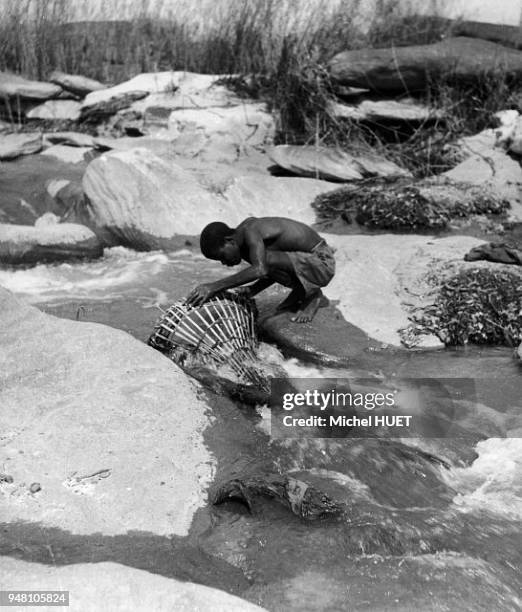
[{"x": 282, "y": 47}]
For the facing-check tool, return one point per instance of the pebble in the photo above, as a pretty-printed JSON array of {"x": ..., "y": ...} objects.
[
  {"x": 6, "y": 478},
  {"x": 35, "y": 487}
]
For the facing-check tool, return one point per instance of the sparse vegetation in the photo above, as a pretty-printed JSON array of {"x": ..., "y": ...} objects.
[{"x": 477, "y": 305}]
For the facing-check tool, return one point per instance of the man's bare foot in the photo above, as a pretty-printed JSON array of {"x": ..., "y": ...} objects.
[
  {"x": 291, "y": 300},
  {"x": 309, "y": 308}
]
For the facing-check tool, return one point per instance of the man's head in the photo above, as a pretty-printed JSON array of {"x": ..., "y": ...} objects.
[{"x": 217, "y": 242}]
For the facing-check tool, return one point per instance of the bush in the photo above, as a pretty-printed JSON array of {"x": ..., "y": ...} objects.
[{"x": 478, "y": 305}]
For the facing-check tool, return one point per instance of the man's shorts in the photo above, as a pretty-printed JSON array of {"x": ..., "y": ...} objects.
[{"x": 314, "y": 269}]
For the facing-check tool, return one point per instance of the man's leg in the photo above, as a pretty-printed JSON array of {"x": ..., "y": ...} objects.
[{"x": 281, "y": 270}]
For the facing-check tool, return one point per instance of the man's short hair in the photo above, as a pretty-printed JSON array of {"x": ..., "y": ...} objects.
[{"x": 213, "y": 238}]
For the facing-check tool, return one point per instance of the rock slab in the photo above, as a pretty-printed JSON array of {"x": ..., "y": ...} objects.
[
  {"x": 410, "y": 68},
  {"x": 13, "y": 85},
  {"x": 77, "y": 84},
  {"x": 68, "y": 390},
  {"x": 332, "y": 164},
  {"x": 56, "y": 110},
  {"x": 111, "y": 586},
  {"x": 16, "y": 145},
  {"x": 24, "y": 244}
]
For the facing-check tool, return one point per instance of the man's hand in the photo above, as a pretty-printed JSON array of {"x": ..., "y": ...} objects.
[
  {"x": 200, "y": 295},
  {"x": 244, "y": 291}
]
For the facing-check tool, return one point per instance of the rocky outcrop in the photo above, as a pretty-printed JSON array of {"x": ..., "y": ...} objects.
[
  {"x": 332, "y": 164},
  {"x": 68, "y": 392},
  {"x": 116, "y": 587},
  {"x": 71, "y": 139},
  {"x": 77, "y": 84},
  {"x": 409, "y": 68},
  {"x": 56, "y": 110},
  {"x": 16, "y": 145},
  {"x": 14, "y": 86},
  {"x": 139, "y": 200},
  {"x": 48, "y": 240}
]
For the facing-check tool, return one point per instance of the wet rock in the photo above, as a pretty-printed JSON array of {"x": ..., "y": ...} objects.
[
  {"x": 70, "y": 139},
  {"x": 56, "y": 110},
  {"x": 48, "y": 240},
  {"x": 254, "y": 196},
  {"x": 491, "y": 168},
  {"x": 378, "y": 280},
  {"x": 384, "y": 110},
  {"x": 138, "y": 199},
  {"x": 16, "y": 145},
  {"x": 409, "y": 68},
  {"x": 13, "y": 86},
  {"x": 90, "y": 382},
  {"x": 116, "y": 587},
  {"x": 22, "y": 201},
  {"x": 98, "y": 111},
  {"x": 519, "y": 352},
  {"x": 441, "y": 581},
  {"x": 67, "y": 154},
  {"x": 69, "y": 200},
  {"x": 332, "y": 164},
  {"x": 77, "y": 84}
]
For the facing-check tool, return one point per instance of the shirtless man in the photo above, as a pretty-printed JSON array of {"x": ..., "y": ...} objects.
[{"x": 279, "y": 250}]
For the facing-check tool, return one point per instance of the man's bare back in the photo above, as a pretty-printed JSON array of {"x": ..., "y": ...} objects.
[{"x": 279, "y": 250}]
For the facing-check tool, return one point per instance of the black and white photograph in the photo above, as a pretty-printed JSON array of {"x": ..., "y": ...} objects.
[{"x": 261, "y": 305}]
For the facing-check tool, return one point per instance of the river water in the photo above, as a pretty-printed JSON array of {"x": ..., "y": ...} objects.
[{"x": 431, "y": 500}]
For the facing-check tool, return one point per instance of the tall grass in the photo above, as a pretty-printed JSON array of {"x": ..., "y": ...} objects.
[{"x": 279, "y": 49}]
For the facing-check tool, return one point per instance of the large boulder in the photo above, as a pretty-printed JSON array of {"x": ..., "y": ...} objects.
[
  {"x": 15, "y": 86},
  {"x": 332, "y": 164},
  {"x": 77, "y": 84},
  {"x": 110, "y": 429},
  {"x": 410, "y": 68},
  {"x": 47, "y": 240},
  {"x": 56, "y": 110},
  {"x": 258, "y": 196},
  {"x": 116, "y": 587},
  {"x": 140, "y": 200},
  {"x": 16, "y": 145}
]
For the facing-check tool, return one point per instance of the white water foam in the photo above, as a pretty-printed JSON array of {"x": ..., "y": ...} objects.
[
  {"x": 493, "y": 482},
  {"x": 101, "y": 279}
]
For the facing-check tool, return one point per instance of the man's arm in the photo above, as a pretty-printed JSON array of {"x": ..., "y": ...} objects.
[{"x": 257, "y": 271}]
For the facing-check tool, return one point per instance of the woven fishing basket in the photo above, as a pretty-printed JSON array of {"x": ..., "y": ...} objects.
[{"x": 221, "y": 332}]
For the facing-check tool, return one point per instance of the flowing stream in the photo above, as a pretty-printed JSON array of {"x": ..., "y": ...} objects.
[{"x": 469, "y": 504}]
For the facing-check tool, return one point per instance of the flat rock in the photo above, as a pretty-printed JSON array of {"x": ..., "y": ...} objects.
[
  {"x": 67, "y": 154},
  {"x": 24, "y": 244},
  {"x": 190, "y": 90},
  {"x": 13, "y": 85},
  {"x": 77, "y": 84},
  {"x": 384, "y": 110},
  {"x": 98, "y": 111},
  {"x": 71, "y": 139},
  {"x": 148, "y": 82},
  {"x": 257, "y": 196},
  {"x": 377, "y": 280},
  {"x": 237, "y": 127},
  {"x": 16, "y": 145},
  {"x": 116, "y": 587},
  {"x": 68, "y": 390},
  {"x": 332, "y": 164},
  {"x": 56, "y": 110},
  {"x": 490, "y": 167},
  {"x": 138, "y": 199},
  {"x": 409, "y": 68}
]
